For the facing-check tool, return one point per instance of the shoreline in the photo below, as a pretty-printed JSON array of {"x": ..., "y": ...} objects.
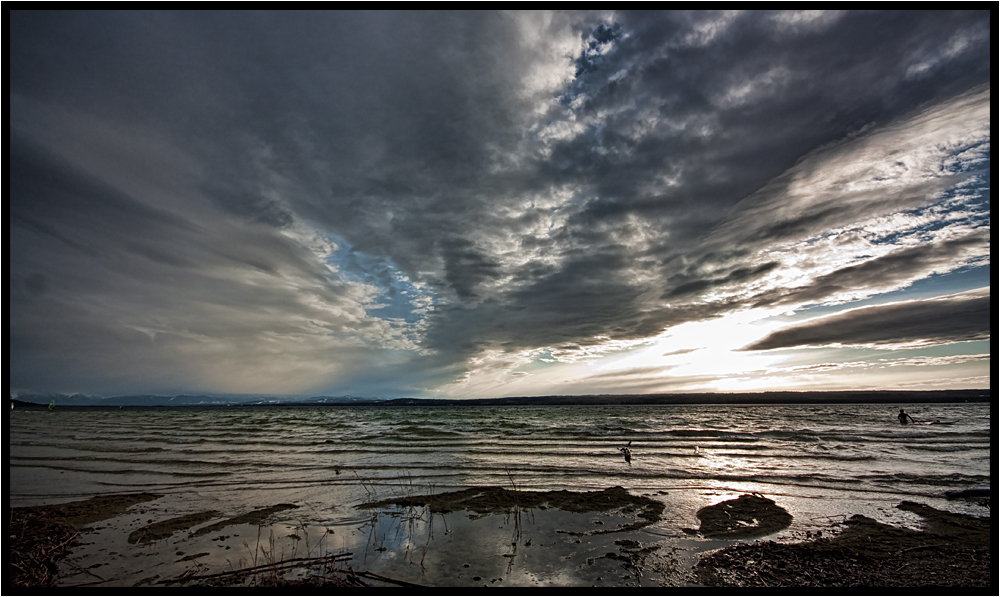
[
  {"x": 41, "y": 402},
  {"x": 952, "y": 549}
]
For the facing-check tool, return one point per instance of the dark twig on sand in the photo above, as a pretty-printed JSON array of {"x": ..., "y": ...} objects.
[
  {"x": 36, "y": 546},
  {"x": 274, "y": 567},
  {"x": 386, "y": 579}
]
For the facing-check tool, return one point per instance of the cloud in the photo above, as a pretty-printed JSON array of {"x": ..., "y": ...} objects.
[
  {"x": 919, "y": 362},
  {"x": 957, "y": 318},
  {"x": 944, "y": 361},
  {"x": 905, "y": 165},
  {"x": 887, "y": 272},
  {"x": 315, "y": 197},
  {"x": 168, "y": 302},
  {"x": 866, "y": 215}
]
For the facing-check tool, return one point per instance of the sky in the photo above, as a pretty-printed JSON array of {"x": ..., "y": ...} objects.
[{"x": 464, "y": 205}]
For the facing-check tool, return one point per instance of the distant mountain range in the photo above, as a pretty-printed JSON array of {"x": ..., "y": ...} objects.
[
  {"x": 842, "y": 397},
  {"x": 183, "y": 400}
]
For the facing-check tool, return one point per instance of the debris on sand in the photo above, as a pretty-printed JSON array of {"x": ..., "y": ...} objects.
[
  {"x": 271, "y": 574},
  {"x": 37, "y": 545},
  {"x": 952, "y": 551},
  {"x": 40, "y": 536},
  {"x": 746, "y": 516}
]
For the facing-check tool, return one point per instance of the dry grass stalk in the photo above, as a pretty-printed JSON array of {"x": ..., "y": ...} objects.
[{"x": 36, "y": 546}]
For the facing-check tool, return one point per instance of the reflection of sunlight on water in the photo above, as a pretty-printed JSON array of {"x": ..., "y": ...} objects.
[
  {"x": 820, "y": 462},
  {"x": 518, "y": 548},
  {"x": 720, "y": 465}
]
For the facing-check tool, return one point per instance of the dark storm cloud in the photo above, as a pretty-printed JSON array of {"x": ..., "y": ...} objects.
[
  {"x": 748, "y": 101},
  {"x": 542, "y": 180},
  {"x": 738, "y": 275},
  {"x": 119, "y": 293},
  {"x": 940, "y": 321},
  {"x": 465, "y": 266},
  {"x": 716, "y": 154},
  {"x": 56, "y": 192}
]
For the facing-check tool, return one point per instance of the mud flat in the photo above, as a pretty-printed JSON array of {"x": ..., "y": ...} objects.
[
  {"x": 952, "y": 550},
  {"x": 498, "y": 500},
  {"x": 40, "y": 536},
  {"x": 488, "y": 536},
  {"x": 43, "y": 536},
  {"x": 746, "y": 516}
]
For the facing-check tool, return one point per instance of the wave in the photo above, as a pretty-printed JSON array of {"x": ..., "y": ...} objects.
[
  {"x": 845, "y": 449},
  {"x": 420, "y": 431}
]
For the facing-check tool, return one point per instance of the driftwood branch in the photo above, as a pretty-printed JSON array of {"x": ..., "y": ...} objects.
[
  {"x": 283, "y": 565},
  {"x": 374, "y": 576}
]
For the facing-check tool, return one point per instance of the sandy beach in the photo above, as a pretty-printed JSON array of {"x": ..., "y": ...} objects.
[{"x": 556, "y": 538}]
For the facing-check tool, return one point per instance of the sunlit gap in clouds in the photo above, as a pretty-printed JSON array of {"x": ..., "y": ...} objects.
[
  {"x": 701, "y": 347},
  {"x": 689, "y": 357},
  {"x": 397, "y": 296}
]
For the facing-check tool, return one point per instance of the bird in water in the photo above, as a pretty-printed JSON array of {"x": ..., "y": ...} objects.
[{"x": 627, "y": 452}]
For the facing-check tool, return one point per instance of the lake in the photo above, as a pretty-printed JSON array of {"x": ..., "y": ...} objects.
[{"x": 820, "y": 462}]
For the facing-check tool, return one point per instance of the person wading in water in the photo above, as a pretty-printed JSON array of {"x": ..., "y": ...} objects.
[
  {"x": 903, "y": 417},
  {"x": 627, "y": 452}
]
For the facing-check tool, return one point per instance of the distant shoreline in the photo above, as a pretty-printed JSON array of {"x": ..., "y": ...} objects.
[{"x": 735, "y": 398}]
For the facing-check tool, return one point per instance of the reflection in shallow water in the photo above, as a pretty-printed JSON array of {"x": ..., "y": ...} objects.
[
  {"x": 521, "y": 547},
  {"x": 821, "y": 463},
  {"x": 539, "y": 546}
]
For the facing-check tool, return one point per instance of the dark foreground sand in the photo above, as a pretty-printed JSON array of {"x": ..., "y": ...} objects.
[{"x": 952, "y": 551}]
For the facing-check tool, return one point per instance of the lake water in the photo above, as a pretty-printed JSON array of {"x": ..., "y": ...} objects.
[{"x": 820, "y": 462}]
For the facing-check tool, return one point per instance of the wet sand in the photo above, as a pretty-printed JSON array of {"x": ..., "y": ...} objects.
[
  {"x": 495, "y": 537},
  {"x": 951, "y": 551},
  {"x": 746, "y": 516},
  {"x": 498, "y": 500},
  {"x": 41, "y": 536}
]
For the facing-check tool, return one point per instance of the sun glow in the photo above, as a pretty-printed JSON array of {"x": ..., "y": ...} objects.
[
  {"x": 701, "y": 355},
  {"x": 701, "y": 347}
]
